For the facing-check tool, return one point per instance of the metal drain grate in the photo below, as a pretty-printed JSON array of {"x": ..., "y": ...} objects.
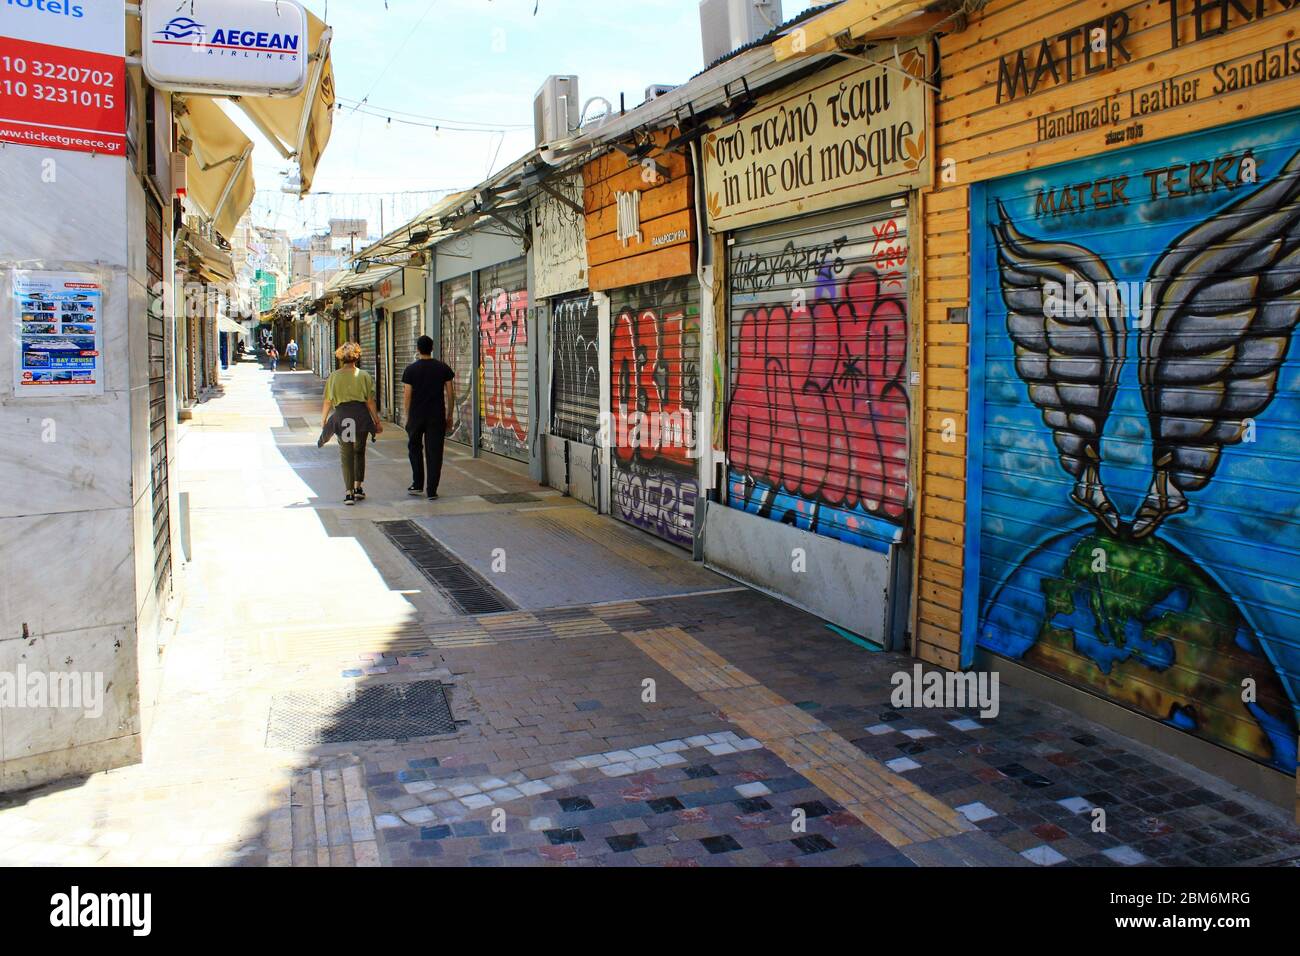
[
  {"x": 510, "y": 498},
  {"x": 458, "y": 582},
  {"x": 376, "y": 712},
  {"x": 295, "y": 423}
]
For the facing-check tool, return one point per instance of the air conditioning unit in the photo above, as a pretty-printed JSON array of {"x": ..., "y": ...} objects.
[
  {"x": 727, "y": 25},
  {"x": 656, "y": 90},
  {"x": 555, "y": 109}
]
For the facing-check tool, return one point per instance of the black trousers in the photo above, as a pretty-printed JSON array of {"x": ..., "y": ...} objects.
[{"x": 424, "y": 444}]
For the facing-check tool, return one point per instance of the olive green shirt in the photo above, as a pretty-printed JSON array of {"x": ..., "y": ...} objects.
[{"x": 349, "y": 385}]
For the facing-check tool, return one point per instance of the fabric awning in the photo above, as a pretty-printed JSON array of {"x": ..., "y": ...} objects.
[
  {"x": 859, "y": 20},
  {"x": 300, "y": 126},
  {"x": 219, "y": 170},
  {"x": 226, "y": 324},
  {"x": 356, "y": 281},
  {"x": 204, "y": 257}
]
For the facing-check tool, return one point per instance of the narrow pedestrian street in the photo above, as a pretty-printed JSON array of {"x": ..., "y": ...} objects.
[{"x": 630, "y": 708}]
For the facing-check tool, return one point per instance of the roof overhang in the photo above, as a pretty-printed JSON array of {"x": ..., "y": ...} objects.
[{"x": 854, "y": 22}]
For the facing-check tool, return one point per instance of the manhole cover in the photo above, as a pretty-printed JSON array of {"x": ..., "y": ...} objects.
[
  {"x": 511, "y": 498},
  {"x": 376, "y": 712},
  {"x": 458, "y": 582}
]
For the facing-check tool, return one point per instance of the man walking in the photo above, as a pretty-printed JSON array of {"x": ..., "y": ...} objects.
[
  {"x": 427, "y": 406},
  {"x": 291, "y": 352}
]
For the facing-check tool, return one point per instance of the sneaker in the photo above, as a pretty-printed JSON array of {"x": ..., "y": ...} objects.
[
  {"x": 359, "y": 494},
  {"x": 349, "y": 499},
  {"x": 434, "y": 496},
  {"x": 414, "y": 489}
]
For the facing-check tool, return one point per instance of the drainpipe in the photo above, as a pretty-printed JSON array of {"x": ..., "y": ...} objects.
[{"x": 703, "y": 423}]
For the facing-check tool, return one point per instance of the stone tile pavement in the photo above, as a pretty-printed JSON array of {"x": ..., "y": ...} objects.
[{"x": 721, "y": 729}]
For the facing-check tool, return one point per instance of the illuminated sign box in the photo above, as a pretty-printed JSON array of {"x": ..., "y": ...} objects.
[{"x": 236, "y": 47}]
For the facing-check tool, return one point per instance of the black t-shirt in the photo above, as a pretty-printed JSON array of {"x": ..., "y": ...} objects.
[{"x": 426, "y": 378}]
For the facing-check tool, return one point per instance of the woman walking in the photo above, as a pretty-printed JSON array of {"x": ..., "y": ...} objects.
[{"x": 350, "y": 392}]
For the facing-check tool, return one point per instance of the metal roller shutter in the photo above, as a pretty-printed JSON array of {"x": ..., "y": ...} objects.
[
  {"x": 160, "y": 482},
  {"x": 575, "y": 368},
  {"x": 406, "y": 329},
  {"x": 1134, "y": 518},
  {"x": 458, "y": 352},
  {"x": 655, "y": 359},
  {"x": 366, "y": 339},
  {"x": 817, "y": 421},
  {"x": 503, "y": 359}
]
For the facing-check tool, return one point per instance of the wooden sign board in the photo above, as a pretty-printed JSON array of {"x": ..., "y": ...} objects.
[
  {"x": 665, "y": 246},
  {"x": 849, "y": 133}
]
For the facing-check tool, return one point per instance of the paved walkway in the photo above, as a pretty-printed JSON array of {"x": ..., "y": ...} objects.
[{"x": 634, "y": 709}]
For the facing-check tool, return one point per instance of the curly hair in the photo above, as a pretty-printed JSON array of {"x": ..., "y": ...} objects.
[{"x": 349, "y": 353}]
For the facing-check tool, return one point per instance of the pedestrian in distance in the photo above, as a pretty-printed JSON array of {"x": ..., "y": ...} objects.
[
  {"x": 350, "y": 395},
  {"x": 275, "y": 359},
  {"x": 427, "y": 410},
  {"x": 291, "y": 353}
]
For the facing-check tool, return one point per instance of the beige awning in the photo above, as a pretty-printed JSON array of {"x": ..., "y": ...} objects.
[
  {"x": 299, "y": 126},
  {"x": 226, "y": 324},
  {"x": 219, "y": 171},
  {"x": 204, "y": 257},
  {"x": 349, "y": 281}
]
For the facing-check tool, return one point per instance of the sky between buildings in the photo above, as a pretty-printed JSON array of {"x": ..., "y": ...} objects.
[{"x": 474, "y": 67}]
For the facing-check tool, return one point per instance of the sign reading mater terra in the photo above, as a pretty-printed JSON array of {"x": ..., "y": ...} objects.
[{"x": 847, "y": 134}]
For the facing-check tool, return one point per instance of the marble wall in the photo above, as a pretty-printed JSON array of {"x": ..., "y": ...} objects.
[{"x": 76, "y": 553}]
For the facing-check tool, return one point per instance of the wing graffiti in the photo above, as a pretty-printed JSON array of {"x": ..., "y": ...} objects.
[
  {"x": 1222, "y": 303},
  {"x": 1067, "y": 324}
]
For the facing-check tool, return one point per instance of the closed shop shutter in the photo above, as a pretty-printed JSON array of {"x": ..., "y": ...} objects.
[
  {"x": 160, "y": 482},
  {"x": 406, "y": 329},
  {"x": 210, "y": 351},
  {"x": 817, "y": 421},
  {"x": 384, "y": 362},
  {"x": 192, "y": 343},
  {"x": 457, "y": 350},
  {"x": 655, "y": 366},
  {"x": 503, "y": 359},
  {"x": 575, "y": 368},
  {"x": 1133, "y": 515},
  {"x": 366, "y": 339}
]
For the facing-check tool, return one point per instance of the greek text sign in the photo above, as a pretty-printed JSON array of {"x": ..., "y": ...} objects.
[{"x": 850, "y": 133}]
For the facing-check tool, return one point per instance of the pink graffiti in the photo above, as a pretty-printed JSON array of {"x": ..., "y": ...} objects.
[
  {"x": 503, "y": 339},
  {"x": 820, "y": 403}
]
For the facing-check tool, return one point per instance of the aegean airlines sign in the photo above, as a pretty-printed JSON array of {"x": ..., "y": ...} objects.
[{"x": 240, "y": 47}]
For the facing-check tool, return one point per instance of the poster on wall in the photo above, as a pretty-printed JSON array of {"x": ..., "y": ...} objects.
[
  {"x": 58, "y": 333},
  {"x": 847, "y": 134},
  {"x": 63, "y": 75},
  {"x": 560, "y": 240}
]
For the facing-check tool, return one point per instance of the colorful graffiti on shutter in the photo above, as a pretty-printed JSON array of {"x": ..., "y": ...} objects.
[
  {"x": 654, "y": 351},
  {"x": 503, "y": 370},
  {"x": 817, "y": 426},
  {"x": 458, "y": 352},
  {"x": 1138, "y": 516}
]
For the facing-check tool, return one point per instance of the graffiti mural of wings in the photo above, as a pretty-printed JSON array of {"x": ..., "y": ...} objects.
[
  {"x": 1067, "y": 324},
  {"x": 1222, "y": 303}
]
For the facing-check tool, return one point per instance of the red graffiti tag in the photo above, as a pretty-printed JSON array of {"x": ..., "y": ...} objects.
[
  {"x": 820, "y": 403},
  {"x": 503, "y": 338},
  {"x": 652, "y": 418}
]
